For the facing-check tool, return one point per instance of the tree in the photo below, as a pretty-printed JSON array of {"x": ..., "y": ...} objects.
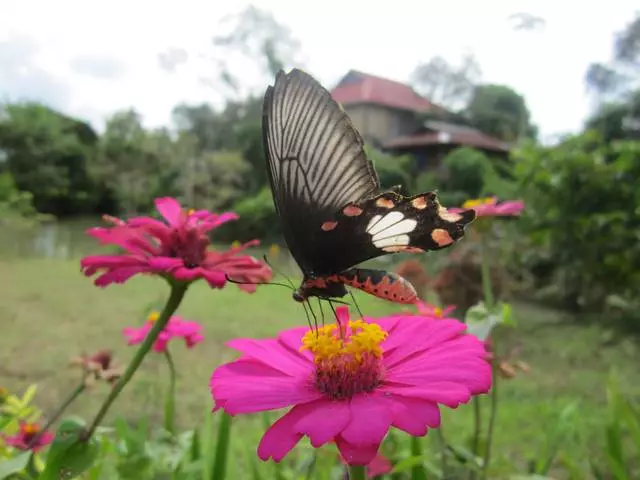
[
  {"x": 256, "y": 34},
  {"x": 501, "y": 112},
  {"x": 617, "y": 79},
  {"x": 446, "y": 84},
  {"x": 48, "y": 154},
  {"x": 135, "y": 164},
  {"x": 617, "y": 120}
]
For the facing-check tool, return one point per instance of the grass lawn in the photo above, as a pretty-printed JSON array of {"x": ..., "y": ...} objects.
[{"x": 49, "y": 312}]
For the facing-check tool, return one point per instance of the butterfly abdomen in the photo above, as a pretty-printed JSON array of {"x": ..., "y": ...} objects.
[{"x": 381, "y": 284}]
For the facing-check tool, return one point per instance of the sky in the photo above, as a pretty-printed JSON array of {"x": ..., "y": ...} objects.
[{"x": 90, "y": 59}]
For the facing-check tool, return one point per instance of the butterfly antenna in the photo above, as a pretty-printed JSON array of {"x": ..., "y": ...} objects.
[
  {"x": 278, "y": 271},
  {"x": 353, "y": 297},
  {"x": 243, "y": 282}
]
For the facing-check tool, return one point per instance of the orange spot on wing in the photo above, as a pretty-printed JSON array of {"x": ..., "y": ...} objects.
[
  {"x": 385, "y": 203},
  {"x": 328, "y": 226},
  {"x": 444, "y": 214},
  {"x": 352, "y": 211},
  {"x": 441, "y": 237},
  {"x": 419, "y": 202}
]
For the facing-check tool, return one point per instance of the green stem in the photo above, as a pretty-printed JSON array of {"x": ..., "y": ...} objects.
[
  {"x": 177, "y": 294},
  {"x": 492, "y": 415},
  {"x": 443, "y": 451},
  {"x": 357, "y": 472},
  {"x": 477, "y": 421},
  {"x": 170, "y": 399},
  {"x": 68, "y": 401},
  {"x": 490, "y": 304},
  {"x": 487, "y": 288}
]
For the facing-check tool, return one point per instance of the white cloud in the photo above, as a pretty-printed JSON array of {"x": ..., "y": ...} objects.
[{"x": 385, "y": 38}]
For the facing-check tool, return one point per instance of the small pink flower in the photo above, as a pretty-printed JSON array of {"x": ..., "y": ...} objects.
[
  {"x": 489, "y": 207},
  {"x": 175, "y": 328},
  {"x": 23, "y": 440},
  {"x": 176, "y": 248},
  {"x": 351, "y": 383},
  {"x": 429, "y": 310}
]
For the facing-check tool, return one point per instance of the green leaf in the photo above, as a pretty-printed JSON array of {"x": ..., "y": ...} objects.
[
  {"x": 14, "y": 465},
  {"x": 69, "y": 456},
  {"x": 222, "y": 447},
  {"x": 480, "y": 322}
]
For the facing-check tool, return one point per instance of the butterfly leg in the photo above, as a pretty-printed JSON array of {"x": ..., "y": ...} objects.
[
  {"x": 353, "y": 297},
  {"x": 309, "y": 313},
  {"x": 321, "y": 310}
]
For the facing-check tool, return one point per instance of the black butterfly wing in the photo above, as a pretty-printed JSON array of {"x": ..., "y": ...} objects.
[
  {"x": 384, "y": 224},
  {"x": 316, "y": 164}
]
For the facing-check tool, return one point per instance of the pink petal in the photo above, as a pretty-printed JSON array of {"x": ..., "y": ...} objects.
[
  {"x": 272, "y": 353},
  {"x": 247, "y": 386},
  {"x": 215, "y": 278},
  {"x": 361, "y": 454},
  {"x": 324, "y": 422},
  {"x": 165, "y": 264},
  {"x": 118, "y": 275},
  {"x": 461, "y": 360},
  {"x": 292, "y": 339},
  {"x": 170, "y": 209},
  {"x": 419, "y": 334},
  {"x": 447, "y": 393},
  {"x": 282, "y": 436},
  {"x": 413, "y": 415},
  {"x": 370, "y": 420}
]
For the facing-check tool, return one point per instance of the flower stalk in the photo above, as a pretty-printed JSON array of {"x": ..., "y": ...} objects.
[
  {"x": 178, "y": 289},
  {"x": 170, "y": 399},
  {"x": 58, "y": 413},
  {"x": 357, "y": 472},
  {"x": 490, "y": 304}
]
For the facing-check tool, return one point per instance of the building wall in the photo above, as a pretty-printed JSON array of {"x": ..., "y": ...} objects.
[{"x": 378, "y": 124}]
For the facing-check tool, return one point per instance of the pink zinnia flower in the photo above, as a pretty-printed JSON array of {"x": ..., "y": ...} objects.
[
  {"x": 176, "y": 328},
  {"x": 28, "y": 432},
  {"x": 429, "y": 310},
  {"x": 489, "y": 207},
  {"x": 176, "y": 248},
  {"x": 350, "y": 384}
]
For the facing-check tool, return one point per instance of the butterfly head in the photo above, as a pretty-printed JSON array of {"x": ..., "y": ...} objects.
[{"x": 299, "y": 296}]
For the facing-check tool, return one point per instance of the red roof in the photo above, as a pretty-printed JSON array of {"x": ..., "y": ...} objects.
[
  {"x": 471, "y": 138},
  {"x": 358, "y": 87}
]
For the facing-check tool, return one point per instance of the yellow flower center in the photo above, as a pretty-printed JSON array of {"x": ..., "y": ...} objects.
[
  {"x": 30, "y": 428},
  {"x": 437, "y": 312},
  {"x": 327, "y": 343},
  {"x": 476, "y": 202},
  {"x": 191, "y": 211},
  {"x": 348, "y": 361},
  {"x": 153, "y": 316},
  {"x": 235, "y": 244}
]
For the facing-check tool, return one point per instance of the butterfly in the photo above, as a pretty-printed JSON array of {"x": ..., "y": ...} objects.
[{"x": 327, "y": 194}]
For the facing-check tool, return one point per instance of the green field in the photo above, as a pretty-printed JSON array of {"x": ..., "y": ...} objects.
[{"x": 50, "y": 312}]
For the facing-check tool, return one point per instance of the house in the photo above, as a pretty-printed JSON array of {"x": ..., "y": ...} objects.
[{"x": 390, "y": 116}]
